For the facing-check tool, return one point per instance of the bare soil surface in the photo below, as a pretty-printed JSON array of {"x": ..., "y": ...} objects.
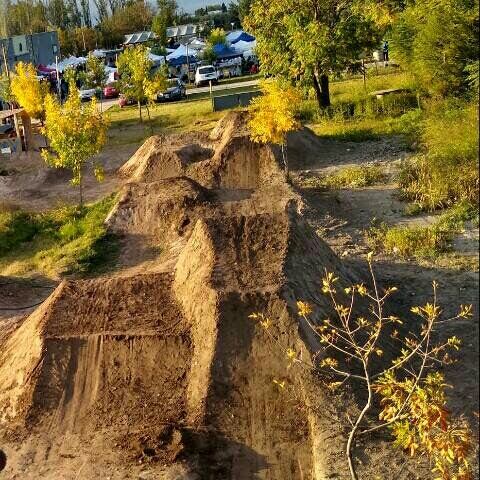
[
  {"x": 156, "y": 372},
  {"x": 32, "y": 185}
]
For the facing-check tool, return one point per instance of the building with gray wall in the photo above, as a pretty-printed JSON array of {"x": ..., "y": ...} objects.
[{"x": 36, "y": 48}]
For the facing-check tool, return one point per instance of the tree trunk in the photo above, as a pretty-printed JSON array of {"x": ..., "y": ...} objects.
[
  {"x": 140, "y": 111},
  {"x": 322, "y": 89},
  {"x": 149, "y": 119},
  {"x": 318, "y": 91},
  {"x": 81, "y": 190},
  {"x": 325, "y": 87}
]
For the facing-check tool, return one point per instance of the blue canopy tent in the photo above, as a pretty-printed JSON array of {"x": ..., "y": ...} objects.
[
  {"x": 245, "y": 37},
  {"x": 183, "y": 60},
  {"x": 223, "y": 52}
]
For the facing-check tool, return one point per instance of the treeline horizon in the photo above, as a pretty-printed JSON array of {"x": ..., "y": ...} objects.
[{"x": 82, "y": 28}]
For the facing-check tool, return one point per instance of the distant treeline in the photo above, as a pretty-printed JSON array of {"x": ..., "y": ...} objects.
[{"x": 82, "y": 28}]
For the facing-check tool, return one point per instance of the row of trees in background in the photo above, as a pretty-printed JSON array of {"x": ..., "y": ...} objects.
[
  {"x": 82, "y": 28},
  {"x": 307, "y": 42}
]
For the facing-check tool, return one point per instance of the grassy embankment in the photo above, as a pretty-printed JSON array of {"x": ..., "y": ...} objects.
[{"x": 57, "y": 242}]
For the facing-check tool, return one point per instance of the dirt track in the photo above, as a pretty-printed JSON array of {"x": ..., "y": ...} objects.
[{"x": 157, "y": 372}]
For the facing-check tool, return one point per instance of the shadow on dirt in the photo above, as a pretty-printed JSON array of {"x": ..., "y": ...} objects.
[{"x": 221, "y": 457}]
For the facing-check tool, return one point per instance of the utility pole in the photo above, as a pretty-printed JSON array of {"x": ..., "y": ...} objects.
[
  {"x": 188, "y": 65},
  {"x": 5, "y": 60},
  {"x": 58, "y": 80}
]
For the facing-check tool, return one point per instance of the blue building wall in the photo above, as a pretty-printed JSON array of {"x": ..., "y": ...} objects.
[{"x": 37, "y": 48}]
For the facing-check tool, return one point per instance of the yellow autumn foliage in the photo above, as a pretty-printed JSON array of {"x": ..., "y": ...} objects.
[
  {"x": 76, "y": 132},
  {"x": 273, "y": 113},
  {"x": 28, "y": 91}
]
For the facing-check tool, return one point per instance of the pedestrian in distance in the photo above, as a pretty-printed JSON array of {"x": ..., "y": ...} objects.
[{"x": 385, "y": 51}]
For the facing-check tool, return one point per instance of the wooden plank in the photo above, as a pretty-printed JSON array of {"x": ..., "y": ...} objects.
[{"x": 381, "y": 93}]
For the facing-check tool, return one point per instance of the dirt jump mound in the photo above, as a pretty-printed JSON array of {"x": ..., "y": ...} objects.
[{"x": 158, "y": 372}]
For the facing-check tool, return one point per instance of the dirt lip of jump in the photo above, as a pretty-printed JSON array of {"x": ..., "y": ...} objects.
[{"x": 158, "y": 368}]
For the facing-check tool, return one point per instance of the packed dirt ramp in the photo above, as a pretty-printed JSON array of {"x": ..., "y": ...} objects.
[{"x": 157, "y": 371}]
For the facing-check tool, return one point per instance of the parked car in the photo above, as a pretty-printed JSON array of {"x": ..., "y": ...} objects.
[
  {"x": 124, "y": 101},
  {"x": 175, "y": 91},
  {"x": 110, "y": 92},
  {"x": 206, "y": 74},
  {"x": 87, "y": 93}
]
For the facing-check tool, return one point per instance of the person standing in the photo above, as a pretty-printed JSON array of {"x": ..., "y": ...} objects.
[{"x": 385, "y": 51}]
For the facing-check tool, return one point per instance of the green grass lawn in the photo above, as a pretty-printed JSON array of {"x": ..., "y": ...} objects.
[
  {"x": 56, "y": 242},
  {"x": 126, "y": 129},
  {"x": 193, "y": 114}
]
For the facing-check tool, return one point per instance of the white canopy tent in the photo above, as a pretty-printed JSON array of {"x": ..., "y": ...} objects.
[
  {"x": 156, "y": 59},
  {"x": 181, "y": 51},
  {"x": 70, "y": 62},
  {"x": 110, "y": 71},
  {"x": 232, "y": 36}
]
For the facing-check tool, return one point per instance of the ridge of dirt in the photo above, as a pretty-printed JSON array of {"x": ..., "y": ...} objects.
[{"x": 156, "y": 372}]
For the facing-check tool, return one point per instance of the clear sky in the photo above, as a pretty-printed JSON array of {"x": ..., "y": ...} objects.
[{"x": 192, "y": 5}]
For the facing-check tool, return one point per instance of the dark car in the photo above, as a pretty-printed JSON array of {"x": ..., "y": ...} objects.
[{"x": 175, "y": 91}]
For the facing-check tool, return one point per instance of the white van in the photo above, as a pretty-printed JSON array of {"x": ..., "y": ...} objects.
[{"x": 206, "y": 74}]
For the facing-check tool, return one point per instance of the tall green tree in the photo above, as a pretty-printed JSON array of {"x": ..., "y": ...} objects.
[
  {"x": 96, "y": 75},
  {"x": 437, "y": 40},
  {"x": 311, "y": 39},
  {"x": 165, "y": 17},
  {"x": 244, "y": 8},
  {"x": 217, "y": 37}
]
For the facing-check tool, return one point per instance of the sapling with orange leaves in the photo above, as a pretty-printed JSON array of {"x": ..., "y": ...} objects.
[{"x": 409, "y": 390}]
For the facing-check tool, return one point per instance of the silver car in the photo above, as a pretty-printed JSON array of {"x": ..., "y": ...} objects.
[{"x": 87, "y": 93}]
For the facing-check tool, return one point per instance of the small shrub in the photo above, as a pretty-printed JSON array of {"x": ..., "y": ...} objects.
[
  {"x": 416, "y": 241},
  {"x": 409, "y": 389}
]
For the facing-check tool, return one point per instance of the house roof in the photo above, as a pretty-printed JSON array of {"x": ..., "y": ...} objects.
[
  {"x": 183, "y": 30},
  {"x": 139, "y": 37}
]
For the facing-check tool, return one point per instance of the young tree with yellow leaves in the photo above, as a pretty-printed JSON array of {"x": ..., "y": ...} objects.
[
  {"x": 273, "y": 115},
  {"x": 28, "y": 91},
  {"x": 137, "y": 81},
  {"x": 76, "y": 132},
  {"x": 408, "y": 390}
]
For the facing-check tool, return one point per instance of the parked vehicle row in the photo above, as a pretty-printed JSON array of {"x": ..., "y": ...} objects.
[
  {"x": 175, "y": 90},
  {"x": 110, "y": 91}
]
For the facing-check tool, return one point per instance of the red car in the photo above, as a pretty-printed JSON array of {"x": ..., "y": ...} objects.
[
  {"x": 110, "y": 92},
  {"x": 123, "y": 101}
]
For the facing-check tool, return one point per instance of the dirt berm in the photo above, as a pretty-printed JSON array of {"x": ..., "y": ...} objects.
[{"x": 157, "y": 371}]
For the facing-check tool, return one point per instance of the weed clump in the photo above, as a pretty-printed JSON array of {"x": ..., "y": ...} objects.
[
  {"x": 447, "y": 170},
  {"x": 350, "y": 177},
  {"x": 422, "y": 241}
]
